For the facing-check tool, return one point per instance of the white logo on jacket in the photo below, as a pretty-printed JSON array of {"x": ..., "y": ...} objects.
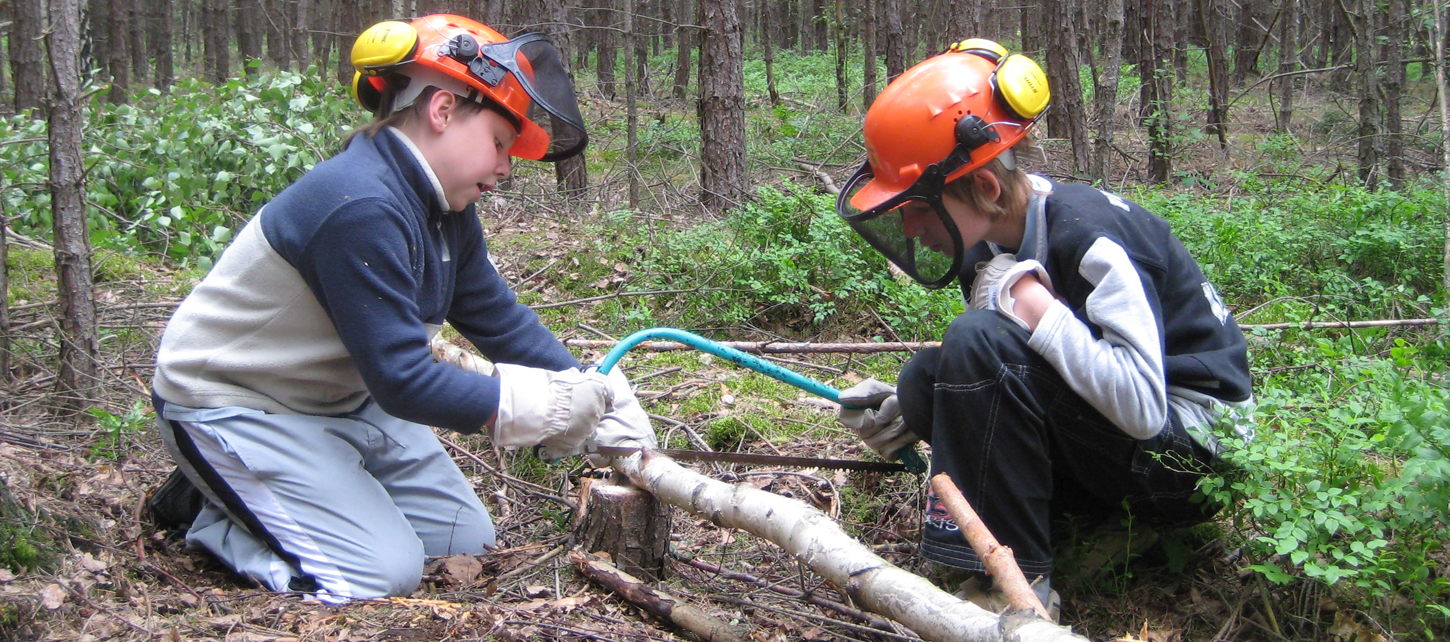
[{"x": 1215, "y": 302}]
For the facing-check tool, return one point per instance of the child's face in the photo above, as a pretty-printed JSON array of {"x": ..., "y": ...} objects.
[
  {"x": 471, "y": 155},
  {"x": 920, "y": 221}
]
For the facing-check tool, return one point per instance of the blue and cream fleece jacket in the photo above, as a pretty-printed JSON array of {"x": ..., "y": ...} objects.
[{"x": 330, "y": 294}]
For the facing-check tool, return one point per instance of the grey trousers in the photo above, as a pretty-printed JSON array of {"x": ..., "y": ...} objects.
[{"x": 344, "y": 507}]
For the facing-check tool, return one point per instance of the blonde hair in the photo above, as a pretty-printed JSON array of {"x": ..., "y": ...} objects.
[{"x": 1011, "y": 203}]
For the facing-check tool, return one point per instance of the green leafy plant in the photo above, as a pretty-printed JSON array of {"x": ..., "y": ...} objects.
[{"x": 118, "y": 431}]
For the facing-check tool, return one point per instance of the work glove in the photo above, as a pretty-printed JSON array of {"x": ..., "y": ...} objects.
[
  {"x": 626, "y": 424},
  {"x": 878, "y": 421},
  {"x": 554, "y": 410},
  {"x": 992, "y": 289}
]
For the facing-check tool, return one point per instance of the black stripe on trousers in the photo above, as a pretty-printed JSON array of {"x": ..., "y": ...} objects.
[{"x": 230, "y": 500}]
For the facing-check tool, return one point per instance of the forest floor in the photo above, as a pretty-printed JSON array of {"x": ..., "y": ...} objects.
[{"x": 74, "y": 491}]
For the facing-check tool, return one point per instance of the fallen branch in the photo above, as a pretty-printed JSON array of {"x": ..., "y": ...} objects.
[
  {"x": 1311, "y": 325},
  {"x": 998, "y": 559},
  {"x": 818, "y": 541},
  {"x": 662, "y": 605}
]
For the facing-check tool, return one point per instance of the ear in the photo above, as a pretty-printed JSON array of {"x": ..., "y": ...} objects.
[
  {"x": 987, "y": 185},
  {"x": 442, "y": 109}
]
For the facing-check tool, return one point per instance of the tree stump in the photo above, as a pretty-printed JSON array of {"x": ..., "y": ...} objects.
[{"x": 627, "y": 523}]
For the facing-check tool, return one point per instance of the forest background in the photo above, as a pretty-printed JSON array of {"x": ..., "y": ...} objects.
[{"x": 1297, "y": 148}]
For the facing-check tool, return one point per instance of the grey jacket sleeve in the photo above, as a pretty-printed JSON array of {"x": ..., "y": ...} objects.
[{"x": 1120, "y": 374}]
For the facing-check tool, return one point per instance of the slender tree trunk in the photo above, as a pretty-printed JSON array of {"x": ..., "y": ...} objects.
[
  {"x": 216, "y": 29},
  {"x": 1210, "y": 12},
  {"x": 4, "y": 298},
  {"x": 1440, "y": 36},
  {"x": 606, "y": 56},
  {"x": 868, "y": 54},
  {"x": 300, "y": 32},
  {"x": 110, "y": 19},
  {"x": 1157, "y": 87},
  {"x": 1288, "y": 62},
  {"x": 1250, "y": 37},
  {"x": 769, "y": 60},
  {"x": 895, "y": 39},
  {"x": 631, "y": 114},
  {"x": 685, "y": 43},
  {"x": 1394, "y": 39},
  {"x": 723, "y": 181},
  {"x": 158, "y": 41},
  {"x": 249, "y": 34},
  {"x": 1066, "y": 117},
  {"x": 838, "y": 27},
  {"x": 140, "y": 61},
  {"x": 571, "y": 175},
  {"x": 1105, "y": 93},
  {"x": 1369, "y": 91},
  {"x": 76, "y": 378}
]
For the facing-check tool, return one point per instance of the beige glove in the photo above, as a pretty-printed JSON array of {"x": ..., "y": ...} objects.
[
  {"x": 626, "y": 424},
  {"x": 878, "y": 422},
  {"x": 555, "y": 410},
  {"x": 992, "y": 289}
]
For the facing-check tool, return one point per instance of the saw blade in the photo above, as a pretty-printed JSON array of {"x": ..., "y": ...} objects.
[{"x": 759, "y": 460}]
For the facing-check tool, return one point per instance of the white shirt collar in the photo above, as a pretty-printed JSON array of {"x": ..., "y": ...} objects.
[{"x": 427, "y": 169}]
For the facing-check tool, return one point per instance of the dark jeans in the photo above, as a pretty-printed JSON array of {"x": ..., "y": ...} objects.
[{"x": 1027, "y": 450}]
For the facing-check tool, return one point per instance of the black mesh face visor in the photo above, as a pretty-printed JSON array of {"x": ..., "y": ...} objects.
[
  {"x": 539, "y": 68},
  {"x": 903, "y": 228}
]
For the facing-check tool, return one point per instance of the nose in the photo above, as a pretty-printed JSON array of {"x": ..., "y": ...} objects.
[{"x": 504, "y": 168}]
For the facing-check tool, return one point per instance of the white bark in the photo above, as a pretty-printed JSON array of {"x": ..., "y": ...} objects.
[{"x": 819, "y": 542}]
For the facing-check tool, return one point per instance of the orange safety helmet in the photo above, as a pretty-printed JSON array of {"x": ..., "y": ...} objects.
[
  {"x": 524, "y": 76},
  {"x": 938, "y": 121}
]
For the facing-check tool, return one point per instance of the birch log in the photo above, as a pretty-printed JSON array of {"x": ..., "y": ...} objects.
[{"x": 819, "y": 542}]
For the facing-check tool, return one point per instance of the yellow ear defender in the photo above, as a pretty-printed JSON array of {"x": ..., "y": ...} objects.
[
  {"x": 365, "y": 92},
  {"x": 1022, "y": 86},
  {"x": 1018, "y": 81},
  {"x": 383, "y": 46}
]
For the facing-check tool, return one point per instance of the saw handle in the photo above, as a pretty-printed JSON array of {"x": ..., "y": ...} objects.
[{"x": 907, "y": 455}]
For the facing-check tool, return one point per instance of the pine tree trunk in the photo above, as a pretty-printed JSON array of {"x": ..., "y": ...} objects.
[
  {"x": 158, "y": 41},
  {"x": 895, "y": 39},
  {"x": 571, "y": 175},
  {"x": 606, "y": 55},
  {"x": 838, "y": 27},
  {"x": 76, "y": 379},
  {"x": 1250, "y": 38},
  {"x": 249, "y": 35},
  {"x": 1066, "y": 118},
  {"x": 216, "y": 33},
  {"x": 1157, "y": 88},
  {"x": 300, "y": 33},
  {"x": 1288, "y": 62},
  {"x": 4, "y": 298},
  {"x": 1394, "y": 83},
  {"x": 1211, "y": 14},
  {"x": 766, "y": 39},
  {"x": 722, "y": 107},
  {"x": 685, "y": 44},
  {"x": 631, "y": 107},
  {"x": 1444, "y": 101},
  {"x": 868, "y": 54},
  {"x": 1106, "y": 90},
  {"x": 140, "y": 61},
  {"x": 1369, "y": 89}
]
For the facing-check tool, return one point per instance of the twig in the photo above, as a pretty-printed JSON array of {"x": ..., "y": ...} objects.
[
  {"x": 531, "y": 565},
  {"x": 588, "y": 635},
  {"x": 998, "y": 559},
  {"x": 528, "y": 487}
]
